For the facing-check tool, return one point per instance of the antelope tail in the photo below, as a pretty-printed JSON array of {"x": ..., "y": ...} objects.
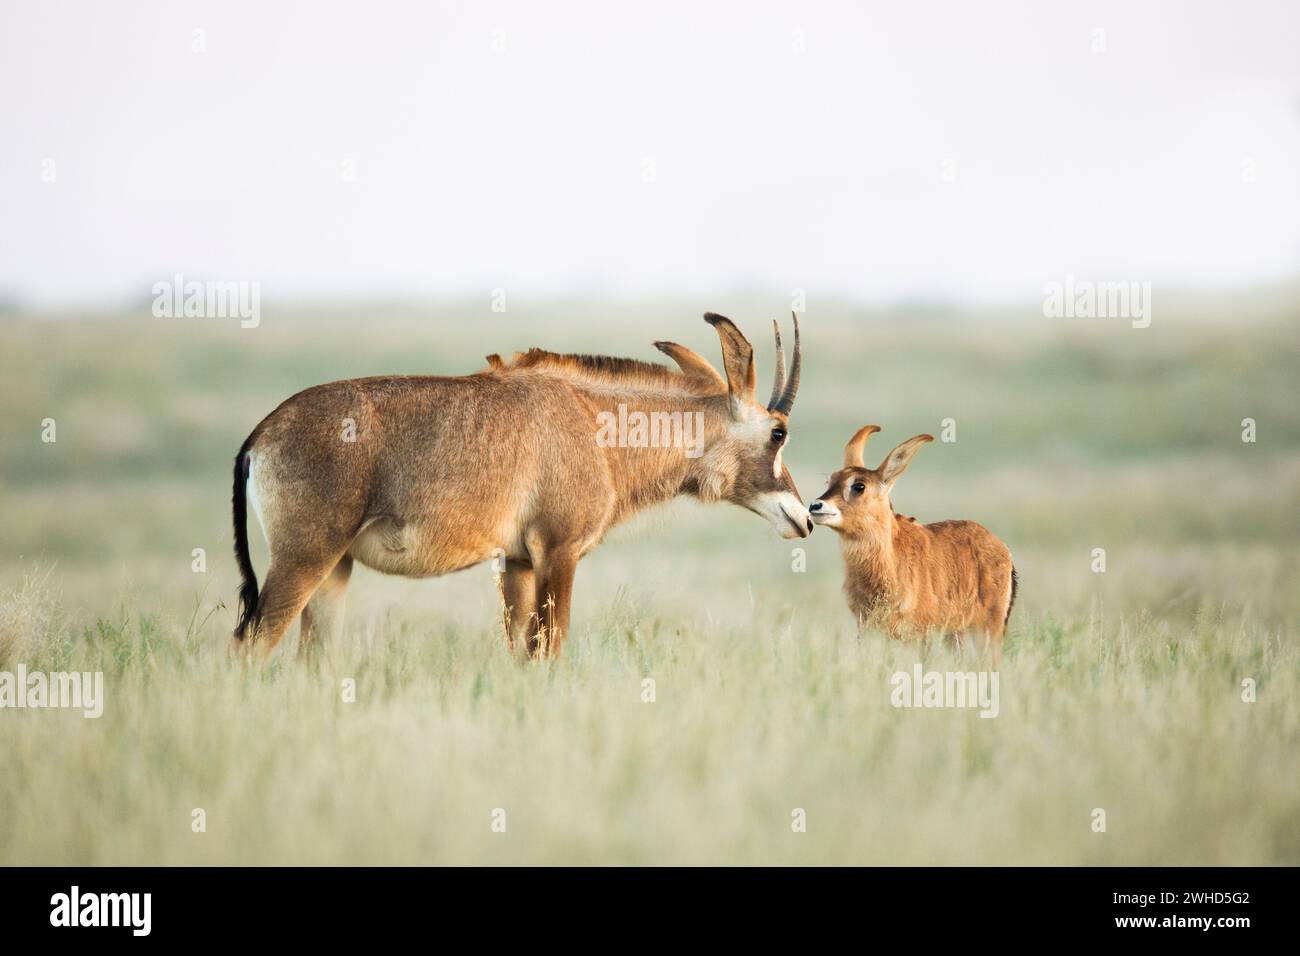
[
  {"x": 1015, "y": 586},
  {"x": 239, "y": 503}
]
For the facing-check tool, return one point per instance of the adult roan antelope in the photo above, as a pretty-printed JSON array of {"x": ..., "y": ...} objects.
[
  {"x": 908, "y": 578},
  {"x": 422, "y": 475}
]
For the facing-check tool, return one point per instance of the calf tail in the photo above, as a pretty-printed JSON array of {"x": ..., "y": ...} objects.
[
  {"x": 248, "y": 589},
  {"x": 1015, "y": 586}
]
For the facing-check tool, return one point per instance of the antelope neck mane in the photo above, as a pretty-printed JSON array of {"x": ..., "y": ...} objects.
[{"x": 610, "y": 372}]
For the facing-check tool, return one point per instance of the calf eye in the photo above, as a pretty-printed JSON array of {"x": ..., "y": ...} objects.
[
  {"x": 859, "y": 487},
  {"x": 778, "y": 435}
]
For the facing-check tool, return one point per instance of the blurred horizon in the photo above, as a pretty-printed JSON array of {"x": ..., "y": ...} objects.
[{"x": 1185, "y": 302}]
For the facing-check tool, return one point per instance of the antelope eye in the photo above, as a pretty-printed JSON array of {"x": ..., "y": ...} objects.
[
  {"x": 859, "y": 487},
  {"x": 778, "y": 435}
]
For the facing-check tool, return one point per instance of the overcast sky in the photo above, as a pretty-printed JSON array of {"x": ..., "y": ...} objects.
[{"x": 883, "y": 151}]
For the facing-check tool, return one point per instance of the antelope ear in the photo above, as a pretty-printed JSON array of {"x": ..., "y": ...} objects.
[
  {"x": 896, "y": 461},
  {"x": 693, "y": 364},
  {"x": 737, "y": 360}
]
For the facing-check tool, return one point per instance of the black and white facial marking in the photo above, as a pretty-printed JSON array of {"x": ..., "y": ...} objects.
[
  {"x": 763, "y": 482},
  {"x": 846, "y": 488}
]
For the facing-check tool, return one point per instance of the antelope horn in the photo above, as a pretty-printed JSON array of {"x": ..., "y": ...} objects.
[
  {"x": 779, "y": 384},
  {"x": 853, "y": 450},
  {"x": 786, "y": 401}
]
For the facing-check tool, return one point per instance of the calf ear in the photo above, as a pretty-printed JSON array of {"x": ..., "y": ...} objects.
[
  {"x": 737, "y": 361},
  {"x": 896, "y": 461},
  {"x": 693, "y": 364}
]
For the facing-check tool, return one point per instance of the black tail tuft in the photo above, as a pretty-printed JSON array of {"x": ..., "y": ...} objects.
[
  {"x": 1015, "y": 586},
  {"x": 248, "y": 589}
]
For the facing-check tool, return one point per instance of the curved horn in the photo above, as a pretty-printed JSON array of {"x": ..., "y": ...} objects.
[
  {"x": 786, "y": 401},
  {"x": 853, "y": 450},
  {"x": 779, "y": 385}
]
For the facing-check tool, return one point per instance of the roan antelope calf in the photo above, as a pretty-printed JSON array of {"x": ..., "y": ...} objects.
[
  {"x": 421, "y": 476},
  {"x": 907, "y": 578}
]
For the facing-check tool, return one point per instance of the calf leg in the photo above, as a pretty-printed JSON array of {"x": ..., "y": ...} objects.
[{"x": 976, "y": 643}]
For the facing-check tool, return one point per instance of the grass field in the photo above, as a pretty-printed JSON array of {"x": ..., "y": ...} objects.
[{"x": 1120, "y": 691}]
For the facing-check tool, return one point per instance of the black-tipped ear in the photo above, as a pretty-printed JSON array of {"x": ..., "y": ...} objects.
[{"x": 737, "y": 360}]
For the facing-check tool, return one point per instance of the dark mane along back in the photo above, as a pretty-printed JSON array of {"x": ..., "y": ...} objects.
[{"x": 606, "y": 369}]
